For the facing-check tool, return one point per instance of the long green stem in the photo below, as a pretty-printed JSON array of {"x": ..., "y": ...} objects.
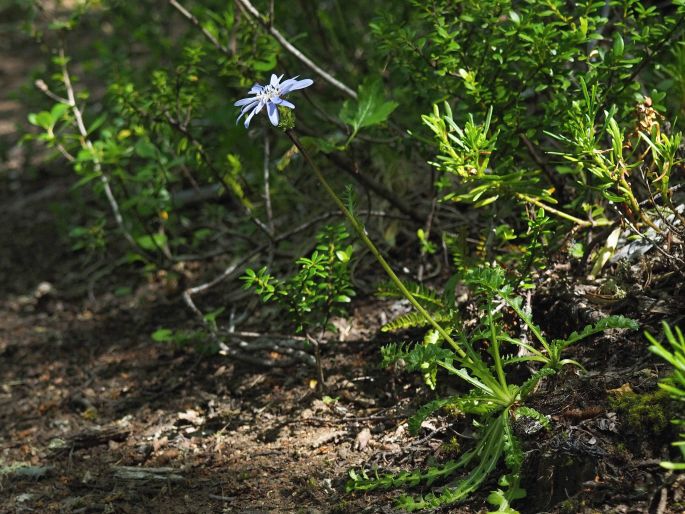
[
  {"x": 495, "y": 348},
  {"x": 531, "y": 326},
  {"x": 561, "y": 214},
  {"x": 372, "y": 247}
]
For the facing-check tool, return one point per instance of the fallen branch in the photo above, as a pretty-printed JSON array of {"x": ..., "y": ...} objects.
[
  {"x": 237, "y": 266},
  {"x": 89, "y": 438},
  {"x": 135, "y": 473},
  {"x": 25, "y": 471},
  {"x": 221, "y": 498}
]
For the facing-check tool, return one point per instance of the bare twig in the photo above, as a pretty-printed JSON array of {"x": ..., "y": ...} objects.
[
  {"x": 663, "y": 501},
  {"x": 230, "y": 270},
  {"x": 192, "y": 19},
  {"x": 374, "y": 186},
  {"x": 282, "y": 347},
  {"x": 225, "y": 274},
  {"x": 356, "y": 419},
  {"x": 40, "y": 84},
  {"x": 297, "y": 355},
  {"x": 654, "y": 243},
  {"x": 267, "y": 335},
  {"x": 222, "y": 498},
  {"x": 266, "y": 23},
  {"x": 174, "y": 123},
  {"x": 91, "y": 437},
  {"x": 271, "y": 14},
  {"x": 65, "y": 153},
  {"x": 430, "y": 436},
  {"x": 136, "y": 473},
  {"x": 269, "y": 343},
  {"x": 87, "y": 144}
]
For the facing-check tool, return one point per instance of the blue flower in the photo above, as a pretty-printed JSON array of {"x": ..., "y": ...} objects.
[{"x": 270, "y": 95}]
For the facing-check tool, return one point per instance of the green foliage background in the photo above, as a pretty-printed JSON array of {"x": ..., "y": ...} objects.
[{"x": 534, "y": 91}]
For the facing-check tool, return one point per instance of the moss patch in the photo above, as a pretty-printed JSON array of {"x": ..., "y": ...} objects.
[{"x": 647, "y": 413}]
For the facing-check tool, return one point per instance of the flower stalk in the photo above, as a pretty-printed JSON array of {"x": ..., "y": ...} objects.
[{"x": 361, "y": 232}]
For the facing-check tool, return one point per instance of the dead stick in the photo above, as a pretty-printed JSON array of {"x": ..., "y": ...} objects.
[
  {"x": 266, "y": 23},
  {"x": 192, "y": 19}
]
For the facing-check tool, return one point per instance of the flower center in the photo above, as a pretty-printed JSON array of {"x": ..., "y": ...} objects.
[{"x": 270, "y": 92}]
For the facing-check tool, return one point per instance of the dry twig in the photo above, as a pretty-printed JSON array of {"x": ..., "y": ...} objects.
[
  {"x": 266, "y": 23},
  {"x": 192, "y": 19},
  {"x": 87, "y": 144}
]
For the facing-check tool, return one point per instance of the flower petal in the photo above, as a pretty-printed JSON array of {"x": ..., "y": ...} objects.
[
  {"x": 275, "y": 81},
  {"x": 251, "y": 105},
  {"x": 270, "y": 96},
  {"x": 289, "y": 82},
  {"x": 256, "y": 89},
  {"x": 245, "y": 101},
  {"x": 249, "y": 118},
  {"x": 284, "y": 103},
  {"x": 242, "y": 113},
  {"x": 255, "y": 107},
  {"x": 272, "y": 110},
  {"x": 293, "y": 84}
]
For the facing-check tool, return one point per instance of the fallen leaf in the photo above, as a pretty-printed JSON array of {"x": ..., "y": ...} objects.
[
  {"x": 192, "y": 417},
  {"x": 327, "y": 436},
  {"x": 362, "y": 439},
  {"x": 621, "y": 391}
]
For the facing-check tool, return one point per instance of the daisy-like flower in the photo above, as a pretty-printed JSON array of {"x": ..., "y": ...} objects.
[{"x": 270, "y": 95}]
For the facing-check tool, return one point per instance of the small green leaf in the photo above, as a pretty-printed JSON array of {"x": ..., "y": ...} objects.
[
  {"x": 577, "y": 250},
  {"x": 369, "y": 109},
  {"x": 618, "y": 46},
  {"x": 163, "y": 335},
  {"x": 123, "y": 291},
  {"x": 92, "y": 127},
  {"x": 85, "y": 179},
  {"x": 267, "y": 64},
  {"x": 145, "y": 149},
  {"x": 58, "y": 111},
  {"x": 211, "y": 316},
  {"x": 150, "y": 243},
  {"x": 43, "y": 119}
]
